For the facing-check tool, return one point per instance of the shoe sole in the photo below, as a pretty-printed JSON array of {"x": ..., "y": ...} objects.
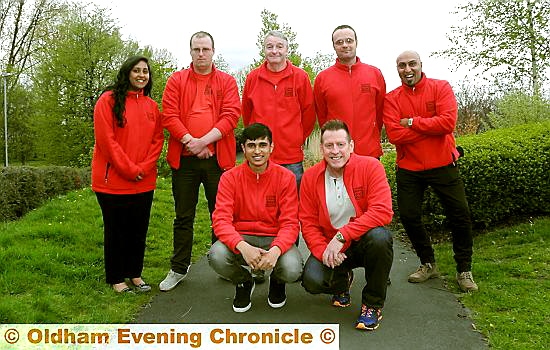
[
  {"x": 413, "y": 280},
  {"x": 276, "y": 306},
  {"x": 247, "y": 307},
  {"x": 364, "y": 327},
  {"x": 174, "y": 286},
  {"x": 338, "y": 304}
]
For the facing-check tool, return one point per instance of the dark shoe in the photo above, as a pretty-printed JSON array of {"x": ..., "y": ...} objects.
[
  {"x": 142, "y": 287},
  {"x": 125, "y": 290},
  {"x": 259, "y": 276},
  {"x": 243, "y": 293},
  {"x": 369, "y": 318},
  {"x": 343, "y": 299},
  {"x": 277, "y": 293}
]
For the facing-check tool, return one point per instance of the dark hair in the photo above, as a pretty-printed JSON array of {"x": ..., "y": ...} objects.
[
  {"x": 201, "y": 34},
  {"x": 343, "y": 26},
  {"x": 335, "y": 125},
  {"x": 254, "y": 132},
  {"x": 122, "y": 85}
]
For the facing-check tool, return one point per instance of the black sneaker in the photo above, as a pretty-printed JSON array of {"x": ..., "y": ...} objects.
[
  {"x": 243, "y": 293},
  {"x": 277, "y": 294}
]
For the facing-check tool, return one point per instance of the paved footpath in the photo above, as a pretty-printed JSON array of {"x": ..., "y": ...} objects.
[{"x": 416, "y": 316}]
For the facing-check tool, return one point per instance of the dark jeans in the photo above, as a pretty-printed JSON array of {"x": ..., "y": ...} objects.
[
  {"x": 298, "y": 170},
  {"x": 125, "y": 224},
  {"x": 186, "y": 182},
  {"x": 373, "y": 252},
  {"x": 448, "y": 186}
]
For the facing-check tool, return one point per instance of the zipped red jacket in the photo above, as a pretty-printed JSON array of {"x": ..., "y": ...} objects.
[
  {"x": 121, "y": 154},
  {"x": 429, "y": 143},
  {"x": 178, "y": 98},
  {"x": 369, "y": 191},
  {"x": 257, "y": 204},
  {"x": 354, "y": 95},
  {"x": 286, "y": 108}
]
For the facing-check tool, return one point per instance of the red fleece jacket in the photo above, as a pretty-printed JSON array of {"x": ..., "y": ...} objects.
[
  {"x": 354, "y": 95},
  {"x": 177, "y": 100},
  {"x": 368, "y": 188},
  {"x": 257, "y": 204},
  {"x": 429, "y": 143},
  {"x": 121, "y": 154},
  {"x": 286, "y": 108}
]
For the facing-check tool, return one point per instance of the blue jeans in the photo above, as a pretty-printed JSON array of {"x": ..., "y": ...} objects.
[
  {"x": 298, "y": 170},
  {"x": 448, "y": 186},
  {"x": 373, "y": 252},
  {"x": 186, "y": 182},
  {"x": 227, "y": 264}
]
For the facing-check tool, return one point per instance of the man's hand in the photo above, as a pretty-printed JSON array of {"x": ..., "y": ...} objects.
[
  {"x": 252, "y": 255},
  {"x": 332, "y": 257},
  {"x": 269, "y": 259},
  {"x": 196, "y": 146},
  {"x": 204, "y": 154},
  {"x": 404, "y": 122}
]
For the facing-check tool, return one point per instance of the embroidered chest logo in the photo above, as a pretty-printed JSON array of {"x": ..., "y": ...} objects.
[
  {"x": 365, "y": 88},
  {"x": 219, "y": 94},
  {"x": 358, "y": 193},
  {"x": 289, "y": 92},
  {"x": 430, "y": 106},
  {"x": 207, "y": 90},
  {"x": 270, "y": 201}
]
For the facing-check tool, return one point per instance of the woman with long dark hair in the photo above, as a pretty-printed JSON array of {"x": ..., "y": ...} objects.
[{"x": 128, "y": 142}]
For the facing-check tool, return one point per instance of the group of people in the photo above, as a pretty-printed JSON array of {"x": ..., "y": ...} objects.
[{"x": 340, "y": 205}]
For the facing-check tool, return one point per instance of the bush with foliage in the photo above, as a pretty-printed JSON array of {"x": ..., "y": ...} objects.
[
  {"x": 518, "y": 108},
  {"x": 25, "y": 188},
  {"x": 506, "y": 173}
]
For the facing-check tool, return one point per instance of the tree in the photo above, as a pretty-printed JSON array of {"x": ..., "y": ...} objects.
[
  {"x": 475, "y": 103},
  {"x": 222, "y": 64},
  {"x": 318, "y": 63},
  {"x": 513, "y": 36}
]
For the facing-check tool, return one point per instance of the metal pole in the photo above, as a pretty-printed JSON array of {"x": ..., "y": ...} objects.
[{"x": 4, "y": 75}]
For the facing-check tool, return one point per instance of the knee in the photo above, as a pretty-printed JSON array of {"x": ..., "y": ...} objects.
[
  {"x": 218, "y": 255},
  {"x": 311, "y": 282},
  {"x": 289, "y": 267},
  {"x": 379, "y": 237}
]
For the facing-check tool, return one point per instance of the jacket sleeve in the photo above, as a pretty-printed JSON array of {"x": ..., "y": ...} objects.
[
  {"x": 247, "y": 102},
  {"x": 397, "y": 134},
  {"x": 106, "y": 141},
  {"x": 150, "y": 162},
  {"x": 447, "y": 112},
  {"x": 222, "y": 218},
  {"x": 288, "y": 217},
  {"x": 171, "y": 107},
  {"x": 307, "y": 106},
  {"x": 380, "y": 101},
  {"x": 309, "y": 216},
  {"x": 320, "y": 102},
  {"x": 378, "y": 209},
  {"x": 230, "y": 109}
]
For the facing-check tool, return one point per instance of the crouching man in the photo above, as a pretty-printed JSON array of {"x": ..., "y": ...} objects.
[
  {"x": 256, "y": 222},
  {"x": 345, "y": 201}
]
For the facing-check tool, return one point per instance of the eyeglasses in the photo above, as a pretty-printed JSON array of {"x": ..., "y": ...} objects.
[{"x": 341, "y": 42}]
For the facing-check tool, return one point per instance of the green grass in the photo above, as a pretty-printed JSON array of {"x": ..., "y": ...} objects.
[
  {"x": 511, "y": 267},
  {"x": 51, "y": 261},
  {"x": 51, "y": 270}
]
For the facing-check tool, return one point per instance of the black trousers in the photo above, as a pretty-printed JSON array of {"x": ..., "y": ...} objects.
[
  {"x": 373, "y": 252},
  {"x": 448, "y": 186},
  {"x": 125, "y": 224},
  {"x": 186, "y": 182}
]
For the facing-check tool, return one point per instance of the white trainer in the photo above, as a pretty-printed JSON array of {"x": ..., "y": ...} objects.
[{"x": 171, "y": 281}]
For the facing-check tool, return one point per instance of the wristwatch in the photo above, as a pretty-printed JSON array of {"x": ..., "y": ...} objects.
[
  {"x": 410, "y": 122},
  {"x": 340, "y": 237}
]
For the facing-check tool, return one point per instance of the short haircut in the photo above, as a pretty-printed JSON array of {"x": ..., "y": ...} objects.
[
  {"x": 343, "y": 26},
  {"x": 277, "y": 34},
  {"x": 334, "y": 125},
  {"x": 254, "y": 132},
  {"x": 201, "y": 34}
]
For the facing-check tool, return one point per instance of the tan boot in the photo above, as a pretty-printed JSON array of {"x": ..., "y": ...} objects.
[
  {"x": 424, "y": 273},
  {"x": 466, "y": 281}
]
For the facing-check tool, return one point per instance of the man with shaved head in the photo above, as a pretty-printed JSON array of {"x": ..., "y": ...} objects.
[{"x": 420, "y": 117}]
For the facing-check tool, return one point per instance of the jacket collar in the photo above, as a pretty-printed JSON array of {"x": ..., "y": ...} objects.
[
  {"x": 418, "y": 86},
  {"x": 345, "y": 67}
]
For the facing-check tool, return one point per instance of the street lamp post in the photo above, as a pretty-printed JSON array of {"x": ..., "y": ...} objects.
[{"x": 4, "y": 77}]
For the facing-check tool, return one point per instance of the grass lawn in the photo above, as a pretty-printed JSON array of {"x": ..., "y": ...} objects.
[{"x": 51, "y": 270}]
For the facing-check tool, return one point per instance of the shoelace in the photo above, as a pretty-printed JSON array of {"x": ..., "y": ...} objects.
[
  {"x": 365, "y": 311},
  {"x": 467, "y": 276}
]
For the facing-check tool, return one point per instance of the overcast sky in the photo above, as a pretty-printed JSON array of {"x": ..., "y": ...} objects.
[{"x": 384, "y": 28}]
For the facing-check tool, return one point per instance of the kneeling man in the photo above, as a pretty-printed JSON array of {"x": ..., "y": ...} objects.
[
  {"x": 345, "y": 201},
  {"x": 256, "y": 222}
]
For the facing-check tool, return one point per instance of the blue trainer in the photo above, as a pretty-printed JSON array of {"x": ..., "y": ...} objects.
[{"x": 369, "y": 318}]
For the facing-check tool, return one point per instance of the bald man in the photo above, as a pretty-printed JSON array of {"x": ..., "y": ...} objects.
[{"x": 420, "y": 117}]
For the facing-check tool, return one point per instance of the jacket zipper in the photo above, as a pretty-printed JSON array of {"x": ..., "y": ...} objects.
[{"x": 107, "y": 171}]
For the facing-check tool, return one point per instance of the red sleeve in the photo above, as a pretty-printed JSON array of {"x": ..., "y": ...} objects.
[
  {"x": 288, "y": 214},
  {"x": 150, "y": 161},
  {"x": 247, "y": 102},
  {"x": 171, "y": 107},
  {"x": 320, "y": 102},
  {"x": 309, "y": 216},
  {"x": 222, "y": 218},
  {"x": 230, "y": 110},
  {"x": 397, "y": 134},
  {"x": 380, "y": 102},
  {"x": 447, "y": 112},
  {"x": 378, "y": 199},
  {"x": 307, "y": 105},
  {"x": 104, "y": 133}
]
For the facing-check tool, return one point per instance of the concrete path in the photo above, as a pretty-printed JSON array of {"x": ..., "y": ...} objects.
[{"x": 416, "y": 316}]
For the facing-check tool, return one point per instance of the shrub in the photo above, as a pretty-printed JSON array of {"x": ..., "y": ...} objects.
[
  {"x": 25, "y": 188},
  {"x": 506, "y": 174}
]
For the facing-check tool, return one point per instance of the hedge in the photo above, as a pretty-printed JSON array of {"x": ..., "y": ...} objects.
[
  {"x": 506, "y": 173},
  {"x": 25, "y": 188}
]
